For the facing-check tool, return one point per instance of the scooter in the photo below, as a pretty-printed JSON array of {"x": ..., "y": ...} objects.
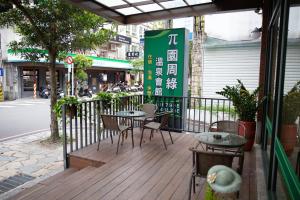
[
  {"x": 44, "y": 93},
  {"x": 85, "y": 92}
]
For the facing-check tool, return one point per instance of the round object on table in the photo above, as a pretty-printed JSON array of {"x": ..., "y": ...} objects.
[{"x": 226, "y": 181}]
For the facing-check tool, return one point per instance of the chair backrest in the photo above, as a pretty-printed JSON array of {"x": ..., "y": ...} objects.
[
  {"x": 110, "y": 122},
  {"x": 225, "y": 126},
  {"x": 164, "y": 120},
  {"x": 205, "y": 160},
  {"x": 149, "y": 109}
]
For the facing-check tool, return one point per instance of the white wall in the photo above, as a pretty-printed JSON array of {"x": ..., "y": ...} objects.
[{"x": 7, "y": 36}]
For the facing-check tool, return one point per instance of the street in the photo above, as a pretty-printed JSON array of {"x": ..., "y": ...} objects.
[{"x": 24, "y": 116}]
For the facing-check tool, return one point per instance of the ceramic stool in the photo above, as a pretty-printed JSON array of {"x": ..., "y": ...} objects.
[{"x": 224, "y": 181}]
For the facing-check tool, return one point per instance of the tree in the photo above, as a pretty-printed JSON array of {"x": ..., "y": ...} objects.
[
  {"x": 57, "y": 28},
  {"x": 138, "y": 67},
  {"x": 82, "y": 63}
]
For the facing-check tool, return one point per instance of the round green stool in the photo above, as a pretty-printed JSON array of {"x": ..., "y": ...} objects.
[{"x": 224, "y": 181}]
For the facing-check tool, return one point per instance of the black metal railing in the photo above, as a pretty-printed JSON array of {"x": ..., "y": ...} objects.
[{"x": 82, "y": 124}]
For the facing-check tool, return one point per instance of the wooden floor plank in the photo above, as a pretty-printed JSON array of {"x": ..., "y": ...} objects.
[
  {"x": 133, "y": 183},
  {"x": 146, "y": 173},
  {"x": 107, "y": 188}
]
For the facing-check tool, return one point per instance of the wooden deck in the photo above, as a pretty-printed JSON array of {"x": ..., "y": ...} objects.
[{"x": 149, "y": 172}]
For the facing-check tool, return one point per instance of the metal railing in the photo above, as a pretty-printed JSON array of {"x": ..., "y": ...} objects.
[{"x": 82, "y": 124}]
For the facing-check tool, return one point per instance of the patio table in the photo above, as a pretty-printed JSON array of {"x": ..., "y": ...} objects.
[
  {"x": 225, "y": 142},
  {"x": 130, "y": 114}
]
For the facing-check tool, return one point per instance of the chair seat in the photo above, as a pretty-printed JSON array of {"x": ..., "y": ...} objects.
[
  {"x": 144, "y": 119},
  {"x": 153, "y": 125},
  {"x": 123, "y": 127}
]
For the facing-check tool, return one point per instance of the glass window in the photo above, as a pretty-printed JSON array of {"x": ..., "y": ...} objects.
[
  {"x": 150, "y": 7},
  {"x": 128, "y": 11},
  {"x": 111, "y": 3},
  {"x": 134, "y": 30},
  {"x": 289, "y": 134}
]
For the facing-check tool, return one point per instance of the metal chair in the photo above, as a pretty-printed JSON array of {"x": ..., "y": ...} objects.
[
  {"x": 110, "y": 122},
  {"x": 224, "y": 126},
  {"x": 203, "y": 161},
  {"x": 229, "y": 127},
  {"x": 150, "y": 110},
  {"x": 156, "y": 126}
]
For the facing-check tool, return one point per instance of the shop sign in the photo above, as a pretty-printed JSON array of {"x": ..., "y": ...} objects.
[
  {"x": 122, "y": 38},
  {"x": 133, "y": 54},
  {"x": 166, "y": 67},
  {"x": 1, "y": 72}
]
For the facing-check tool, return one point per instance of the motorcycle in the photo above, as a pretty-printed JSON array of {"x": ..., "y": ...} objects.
[
  {"x": 60, "y": 93},
  {"x": 44, "y": 92},
  {"x": 85, "y": 92}
]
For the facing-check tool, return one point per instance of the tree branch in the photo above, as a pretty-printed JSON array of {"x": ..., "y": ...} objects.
[{"x": 31, "y": 20}]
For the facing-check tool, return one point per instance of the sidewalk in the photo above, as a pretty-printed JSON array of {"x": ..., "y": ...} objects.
[{"x": 27, "y": 155}]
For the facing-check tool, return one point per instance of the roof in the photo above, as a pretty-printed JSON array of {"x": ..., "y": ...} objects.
[
  {"x": 15, "y": 57},
  {"x": 139, "y": 11}
]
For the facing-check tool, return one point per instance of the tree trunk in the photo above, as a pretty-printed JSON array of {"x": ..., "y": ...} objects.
[
  {"x": 197, "y": 63},
  {"x": 53, "y": 95}
]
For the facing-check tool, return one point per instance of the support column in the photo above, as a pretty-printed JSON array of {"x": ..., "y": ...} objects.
[
  {"x": 263, "y": 63},
  {"x": 197, "y": 58}
]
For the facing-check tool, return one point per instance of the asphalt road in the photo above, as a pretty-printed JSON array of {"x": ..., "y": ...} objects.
[{"x": 24, "y": 116}]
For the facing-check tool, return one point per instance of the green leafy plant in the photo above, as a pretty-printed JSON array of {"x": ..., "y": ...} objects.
[
  {"x": 246, "y": 103},
  {"x": 105, "y": 98},
  {"x": 70, "y": 101},
  {"x": 291, "y": 105},
  {"x": 209, "y": 194}
]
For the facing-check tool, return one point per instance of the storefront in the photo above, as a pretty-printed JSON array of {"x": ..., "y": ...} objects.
[{"x": 23, "y": 77}]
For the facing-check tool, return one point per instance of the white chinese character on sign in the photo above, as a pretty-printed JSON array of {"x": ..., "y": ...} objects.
[
  {"x": 158, "y": 91},
  {"x": 172, "y": 55},
  {"x": 173, "y": 39},
  {"x": 158, "y": 71},
  {"x": 158, "y": 82},
  {"x": 159, "y": 62},
  {"x": 172, "y": 69},
  {"x": 171, "y": 83}
]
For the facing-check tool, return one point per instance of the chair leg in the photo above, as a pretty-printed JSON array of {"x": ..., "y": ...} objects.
[
  {"x": 99, "y": 139},
  {"x": 190, "y": 187},
  {"x": 170, "y": 136},
  {"x": 132, "y": 140},
  {"x": 111, "y": 138},
  {"x": 142, "y": 137},
  {"x": 163, "y": 139},
  {"x": 151, "y": 134},
  {"x": 194, "y": 184},
  {"x": 119, "y": 142},
  {"x": 122, "y": 139}
]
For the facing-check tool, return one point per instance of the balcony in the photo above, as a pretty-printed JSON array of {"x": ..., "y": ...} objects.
[{"x": 147, "y": 172}]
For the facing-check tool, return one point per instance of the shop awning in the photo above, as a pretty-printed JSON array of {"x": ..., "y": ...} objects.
[
  {"x": 139, "y": 11},
  {"x": 98, "y": 62}
]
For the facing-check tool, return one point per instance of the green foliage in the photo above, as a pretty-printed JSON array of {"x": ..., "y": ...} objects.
[
  {"x": 246, "y": 103},
  {"x": 291, "y": 105},
  {"x": 53, "y": 25},
  {"x": 69, "y": 101},
  {"x": 82, "y": 63},
  {"x": 105, "y": 98},
  {"x": 209, "y": 194}
]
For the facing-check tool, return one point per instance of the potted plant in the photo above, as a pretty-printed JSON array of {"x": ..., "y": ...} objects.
[
  {"x": 71, "y": 103},
  {"x": 246, "y": 104},
  {"x": 290, "y": 113},
  {"x": 105, "y": 98}
]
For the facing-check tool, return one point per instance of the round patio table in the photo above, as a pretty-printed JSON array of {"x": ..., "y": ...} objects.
[
  {"x": 226, "y": 140},
  {"x": 130, "y": 114}
]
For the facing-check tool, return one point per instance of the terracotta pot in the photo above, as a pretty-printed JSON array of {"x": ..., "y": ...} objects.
[
  {"x": 248, "y": 132},
  {"x": 288, "y": 137}
]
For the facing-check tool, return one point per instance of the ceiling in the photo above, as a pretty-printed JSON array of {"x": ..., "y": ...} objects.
[{"x": 139, "y": 11}]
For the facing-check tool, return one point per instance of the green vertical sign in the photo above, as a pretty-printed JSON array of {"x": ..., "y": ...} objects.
[
  {"x": 165, "y": 62},
  {"x": 166, "y": 71}
]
